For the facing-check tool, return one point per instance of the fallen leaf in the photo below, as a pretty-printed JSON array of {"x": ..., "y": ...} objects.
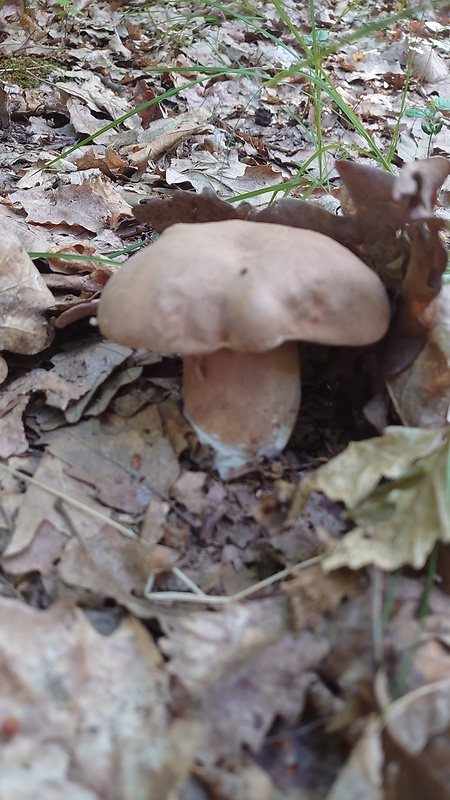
[
  {"x": 398, "y": 521},
  {"x": 362, "y": 776},
  {"x": 23, "y": 297},
  {"x": 40, "y": 556},
  {"x": 419, "y": 182},
  {"x": 126, "y": 459},
  {"x": 272, "y": 684},
  {"x": 206, "y": 206},
  {"x": 107, "y": 563},
  {"x": 311, "y": 598},
  {"x": 421, "y": 392},
  {"x": 84, "y": 705},
  {"x": 188, "y": 490},
  {"x": 75, "y": 205},
  {"x": 203, "y": 648},
  {"x": 418, "y": 726},
  {"x": 85, "y": 366}
]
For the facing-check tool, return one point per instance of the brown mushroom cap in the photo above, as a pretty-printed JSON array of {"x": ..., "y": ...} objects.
[{"x": 247, "y": 286}]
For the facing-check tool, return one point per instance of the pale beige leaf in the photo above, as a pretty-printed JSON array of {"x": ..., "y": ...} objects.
[
  {"x": 401, "y": 521},
  {"x": 204, "y": 647},
  {"x": 398, "y": 521},
  {"x": 353, "y": 474},
  {"x": 362, "y": 776},
  {"x": 92, "y": 707},
  {"x": 23, "y": 298}
]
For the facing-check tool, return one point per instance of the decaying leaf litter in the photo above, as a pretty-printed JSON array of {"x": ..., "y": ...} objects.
[{"x": 313, "y": 668}]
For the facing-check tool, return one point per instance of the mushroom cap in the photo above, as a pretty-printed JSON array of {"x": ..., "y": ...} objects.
[{"x": 247, "y": 286}]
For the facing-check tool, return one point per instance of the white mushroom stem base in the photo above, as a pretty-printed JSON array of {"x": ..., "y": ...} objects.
[{"x": 244, "y": 405}]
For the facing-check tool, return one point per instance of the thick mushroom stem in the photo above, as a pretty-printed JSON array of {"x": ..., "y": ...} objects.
[{"x": 244, "y": 405}]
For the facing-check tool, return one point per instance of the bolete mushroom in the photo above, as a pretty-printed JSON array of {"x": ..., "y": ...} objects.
[{"x": 234, "y": 298}]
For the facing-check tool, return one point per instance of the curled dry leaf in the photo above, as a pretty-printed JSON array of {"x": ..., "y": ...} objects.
[
  {"x": 382, "y": 199},
  {"x": 418, "y": 726},
  {"x": 400, "y": 239},
  {"x": 161, "y": 213},
  {"x": 70, "y": 386},
  {"x": 418, "y": 183},
  {"x": 23, "y": 296},
  {"x": 421, "y": 393},
  {"x": 181, "y": 206}
]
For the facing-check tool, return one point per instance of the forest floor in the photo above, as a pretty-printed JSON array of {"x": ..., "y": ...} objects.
[{"x": 166, "y": 634}]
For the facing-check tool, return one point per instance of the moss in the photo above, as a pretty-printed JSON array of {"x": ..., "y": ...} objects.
[{"x": 27, "y": 71}]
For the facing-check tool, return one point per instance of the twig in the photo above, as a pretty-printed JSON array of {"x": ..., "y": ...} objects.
[
  {"x": 75, "y": 503},
  {"x": 198, "y": 596}
]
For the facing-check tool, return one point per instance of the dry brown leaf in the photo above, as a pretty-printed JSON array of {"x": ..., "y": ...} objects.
[
  {"x": 203, "y": 648},
  {"x": 272, "y": 684},
  {"x": 117, "y": 206},
  {"x": 84, "y": 121},
  {"x": 70, "y": 386},
  {"x": 163, "y": 134},
  {"x": 38, "y": 507},
  {"x": 228, "y": 176},
  {"x": 418, "y": 717},
  {"x": 356, "y": 472},
  {"x": 181, "y": 206},
  {"x": 418, "y": 726},
  {"x": 84, "y": 366},
  {"x": 362, "y": 775},
  {"x": 123, "y": 463},
  {"x": 208, "y": 207},
  {"x": 13, "y": 440},
  {"x": 383, "y": 206},
  {"x": 41, "y": 554},
  {"x": 311, "y": 597},
  {"x": 398, "y": 520},
  {"x": 107, "y": 563},
  {"x": 421, "y": 392},
  {"x": 84, "y": 705},
  {"x": 23, "y": 297},
  {"x": 245, "y": 781},
  {"x": 126, "y": 459},
  {"x": 74, "y": 205},
  {"x": 89, "y": 87},
  {"x": 419, "y": 182},
  {"x": 58, "y": 391},
  {"x": 188, "y": 490},
  {"x": 428, "y": 65}
]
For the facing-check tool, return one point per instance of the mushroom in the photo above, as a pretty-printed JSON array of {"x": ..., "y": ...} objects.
[{"x": 233, "y": 298}]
